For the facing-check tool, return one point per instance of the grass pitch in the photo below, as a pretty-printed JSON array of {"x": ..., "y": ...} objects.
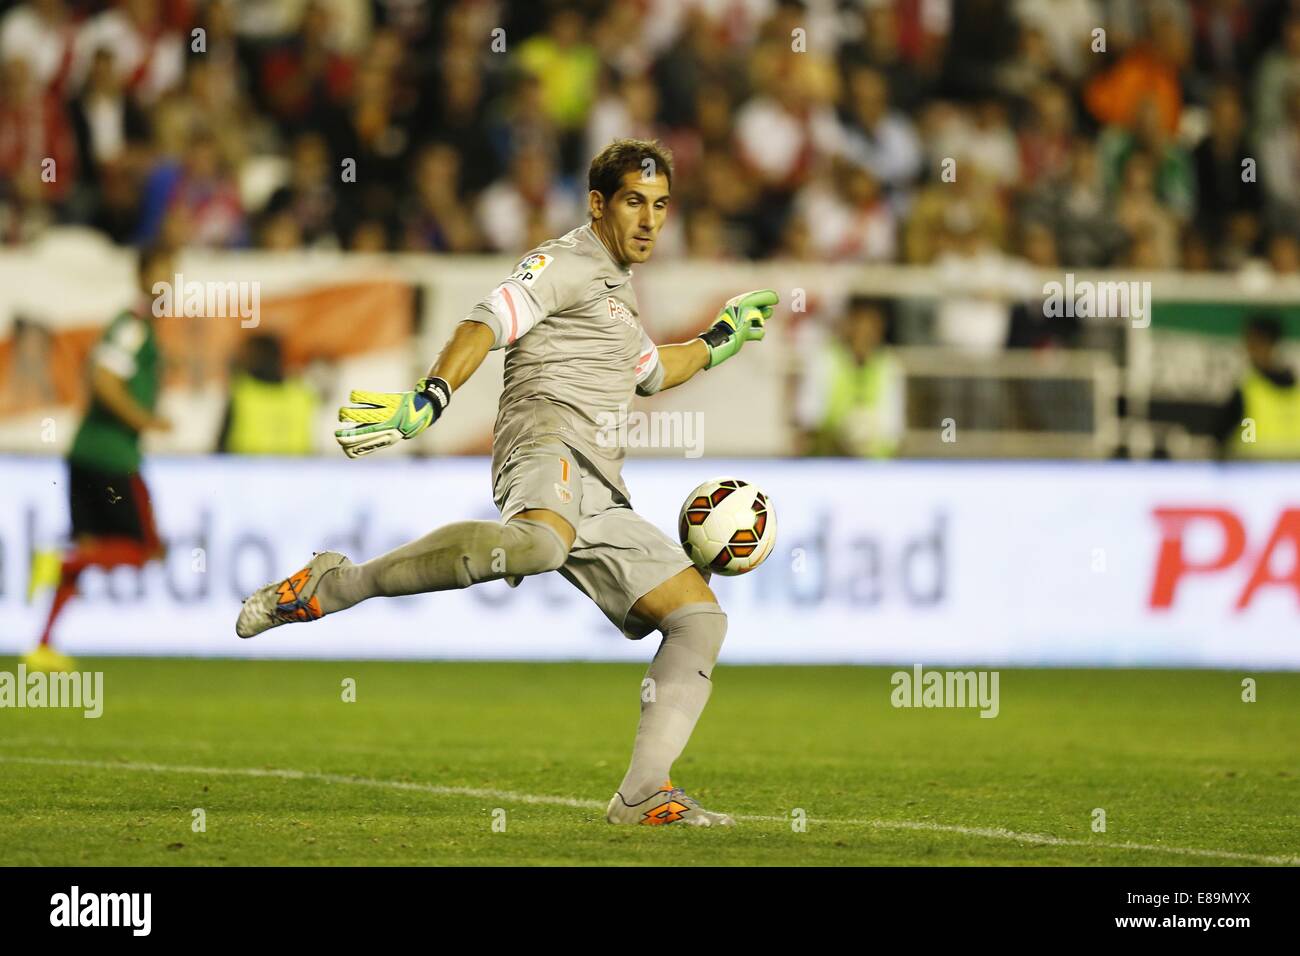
[{"x": 431, "y": 755}]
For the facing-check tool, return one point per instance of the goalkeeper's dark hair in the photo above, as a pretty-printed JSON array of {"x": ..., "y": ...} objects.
[{"x": 624, "y": 156}]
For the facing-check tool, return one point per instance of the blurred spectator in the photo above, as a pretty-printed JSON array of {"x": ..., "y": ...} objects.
[
  {"x": 1031, "y": 327},
  {"x": 439, "y": 222},
  {"x": 148, "y": 53},
  {"x": 107, "y": 124},
  {"x": 1224, "y": 35},
  {"x": 27, "y": 381},
  {"x": 923, "y": 34},
  {"x": 305, "y": 75},
  {"x": 851, "y": 400},
  {"x": 1066, "y": 28},
  {"x": 848, "y": 217},
  {"x": 878, "y": 46},
  {"x": 104, "y": 117},
  {"x": 1151, "y": 230},
  {"x": 38, "y": 150},
  {"x": 1148, "y": 71},
  {"x": 628, "y": 110},
  {"x": 309, "y": 197},
  {"x": 695, "y": 68},
  {"x": 1046, "y": 140},
  {"x": 1262, "y": 417},
  {"x": 44, "y": 34},
  {"x": 567, "y": 67},
  {"x": 991, "y": 145},
  {"x": 619, "y": 36},
  {"x": 1031, "y": 67},
  {"x": 982, "y": 35},
  {"x": 1197, "y": 255},
  {"x": 370, "y": 234},
  {"x": 710, "y": 135},
  {"x": 527, "y": 203},
  {"x": 195, "y": 201},
  {"x": 521, "y": 124},
  {"x": 1278, "y": 164},
  {"x": 373, "y": 139},
  {"x": 882, "y": 140},
  {"x": 1173, "y": 175},
  {"x": 268, "y": 413},
  {"x": 227, "y": 55},
  {"x": 1220, "y": 186},
  {"x": 1284, "y": 254},
  {"x": 277, "y": 228},
  {"x": 973, "y": 314},
  {"x": 707, "y": 238},
  {"x": 781, "y": 134},
  {"x": 968, "y": 202},
  {"x": 219, "y": 105},
  {"x": 1277, "y": 75},
  {"x": 1085, "y": 233},
  {"x": 458, "y": 120}
]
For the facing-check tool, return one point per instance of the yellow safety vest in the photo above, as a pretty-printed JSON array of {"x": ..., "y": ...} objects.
[
  {"x": 271, "y": 418},
  {"x": 1275, "y": 410},
  {"x": 858, "y": 386}
]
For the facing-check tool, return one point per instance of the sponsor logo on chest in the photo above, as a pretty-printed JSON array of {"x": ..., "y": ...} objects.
[{"x": 617, "y": 310}]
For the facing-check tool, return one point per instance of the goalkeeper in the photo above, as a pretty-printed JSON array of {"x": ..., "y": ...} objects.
[{"x": 575, "y": 350}]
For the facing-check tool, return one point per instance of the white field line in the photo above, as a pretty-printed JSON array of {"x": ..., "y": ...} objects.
[{"x": 510, "y": 796}]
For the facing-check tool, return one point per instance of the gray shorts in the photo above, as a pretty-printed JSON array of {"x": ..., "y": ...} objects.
[{"x": 617, "y": 557}]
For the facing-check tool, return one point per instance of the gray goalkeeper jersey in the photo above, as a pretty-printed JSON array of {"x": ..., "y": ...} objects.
[{"x": 575, "y": 352}]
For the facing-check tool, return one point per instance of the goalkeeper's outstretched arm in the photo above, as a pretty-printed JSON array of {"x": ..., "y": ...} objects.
[
  {"x": 375, "y": 420},
  {"x": 463, "y": 353},
  {"x": 682, "y": 361},
  {"x": 741, "y": 320}
]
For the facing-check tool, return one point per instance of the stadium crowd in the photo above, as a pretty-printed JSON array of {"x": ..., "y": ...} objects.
[
  {"x": 982, "y": 137},
  {"x": 815, "y": 129}
]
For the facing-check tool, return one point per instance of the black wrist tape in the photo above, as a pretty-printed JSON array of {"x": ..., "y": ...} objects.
[{"x": 438, "y": 392}]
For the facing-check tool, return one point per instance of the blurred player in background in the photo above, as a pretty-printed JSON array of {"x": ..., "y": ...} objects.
[
  {"x": 112, "y": 519},
  {"x": 575, "y": 352}
]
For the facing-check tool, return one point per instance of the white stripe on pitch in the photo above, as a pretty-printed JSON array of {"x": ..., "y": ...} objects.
[{"x": 507, "y": 796}]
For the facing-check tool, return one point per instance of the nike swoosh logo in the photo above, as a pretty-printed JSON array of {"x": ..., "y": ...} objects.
[
  {"x": 705, "y": 676},
  {"x": 614, "y": 286}
]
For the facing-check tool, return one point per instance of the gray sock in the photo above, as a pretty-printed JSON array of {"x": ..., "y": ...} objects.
[
  {"x": 454, "y": 556},
  {"x": 682, "y": 681}
]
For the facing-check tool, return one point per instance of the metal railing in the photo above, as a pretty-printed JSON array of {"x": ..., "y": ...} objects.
[{"x": 1053, "y": 404}]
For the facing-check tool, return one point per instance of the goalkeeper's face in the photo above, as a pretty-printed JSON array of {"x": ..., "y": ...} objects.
[{"x": 629, "y": 222}]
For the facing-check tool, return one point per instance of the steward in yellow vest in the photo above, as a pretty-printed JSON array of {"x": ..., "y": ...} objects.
[
  {"x": 861, "y": 389},
  {"x": 268, "y": 414},
  {"x": 1262, "y": 419}
]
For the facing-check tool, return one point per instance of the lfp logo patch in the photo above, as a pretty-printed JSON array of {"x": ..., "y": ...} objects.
[{"x": 531, "y": 267}]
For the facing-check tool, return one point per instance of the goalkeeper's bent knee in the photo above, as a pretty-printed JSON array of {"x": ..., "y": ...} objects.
[
  {"x": 518, "y": 548},
  {"x": 696, "y": 632}
]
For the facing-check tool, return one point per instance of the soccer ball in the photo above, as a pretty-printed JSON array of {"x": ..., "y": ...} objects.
[{"x": 728, "y": 526}]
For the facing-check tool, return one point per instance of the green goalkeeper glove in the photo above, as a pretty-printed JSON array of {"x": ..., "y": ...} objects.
[
  {"x": 384, "y": 418},
  {"x": 740, "y": 321}
]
